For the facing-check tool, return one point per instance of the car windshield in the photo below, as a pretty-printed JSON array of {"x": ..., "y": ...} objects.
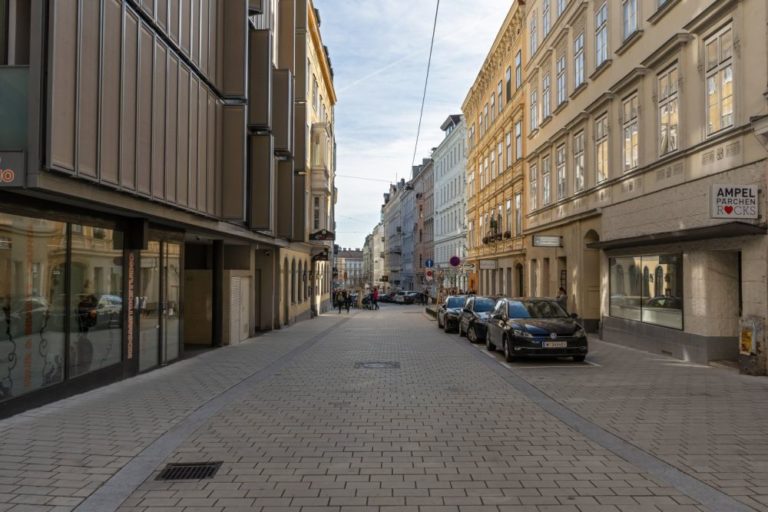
[
  {"x": 455, "y": 302},
  {"x": 536, "y": 309},
  {"x": 482, "y": 305}
]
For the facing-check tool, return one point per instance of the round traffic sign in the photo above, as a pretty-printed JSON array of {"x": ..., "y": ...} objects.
[
  {"x": 429, "y": 263},
  {"x": 455, "y": 261}
]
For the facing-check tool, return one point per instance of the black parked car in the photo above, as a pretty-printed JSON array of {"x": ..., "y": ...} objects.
[
  {"x": 535, "y": 327},
  {"x": 449, "y": 311},
  {"x": 473, "y": 322}
]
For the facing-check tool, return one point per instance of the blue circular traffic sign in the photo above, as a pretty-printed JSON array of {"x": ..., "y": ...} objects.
[{"x": 429, "y": 263}]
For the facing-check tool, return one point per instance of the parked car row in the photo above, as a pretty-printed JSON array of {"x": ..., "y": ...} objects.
[
  {"x": 402, "y": 297},
  {"x": 519, "y": 327}
]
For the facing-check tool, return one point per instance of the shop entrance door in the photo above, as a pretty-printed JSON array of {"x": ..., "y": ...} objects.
[{"x": 159, "y": 304}]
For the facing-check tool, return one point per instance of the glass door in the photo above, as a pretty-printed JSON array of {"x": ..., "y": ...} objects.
[
  {"x": 171, "y": 319},
  {"x": 148, "y": 307}
]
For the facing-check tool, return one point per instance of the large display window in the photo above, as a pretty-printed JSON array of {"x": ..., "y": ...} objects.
[
  {"x": 61, "y": 302},
  {"x": 647, "y": 289}
]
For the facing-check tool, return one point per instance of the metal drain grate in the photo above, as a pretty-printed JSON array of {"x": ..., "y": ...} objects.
[
  {"x": 189, "y": 471},
  {"x": 376, "y": 365}
]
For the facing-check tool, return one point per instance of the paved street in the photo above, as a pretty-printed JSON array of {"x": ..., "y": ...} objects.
[{"x": 301, "y": 424}]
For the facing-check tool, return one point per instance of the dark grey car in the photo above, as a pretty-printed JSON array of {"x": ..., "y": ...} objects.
[
  {"x": 449, "y": 311},
  {"x": 535, "y": 327},
  {"x": 473, "y": 322}
]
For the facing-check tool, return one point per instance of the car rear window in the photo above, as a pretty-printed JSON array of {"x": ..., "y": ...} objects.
[
  {"x": 484, "y": 304},
  {"x": 456, "y": 302}
]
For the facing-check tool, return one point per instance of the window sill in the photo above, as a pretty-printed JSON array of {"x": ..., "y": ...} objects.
[
  {"x": 545, "y": 121},
  {"x": 560, "y": 108},
  {"x": 662, "y": 11},
  {"x": 533, "y": 133},
  {"x": 629, "y": 42},
  {"x": 599, "y": 69},
  {"x": 579, "y": 89}
]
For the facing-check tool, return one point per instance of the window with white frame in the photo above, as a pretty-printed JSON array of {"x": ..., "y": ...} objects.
[
  {"x": 578, "y": 161},
  {"x": 499, "y": 94},
  {"x": 518, "y": 70},
  {"x": 486, "y": 172},
  {"x": 668, "y": 108},
  {"x": 500, "y": 155},
  {"x": 546, "y": 96},
  {"x": 719, "y": 69},
  {"x": 492, "y": 157},
  {"x": 631, "y": 131},
  {"x": 518, "y": 140},
  {"x": 509, "y": 82},
  {"x": 509, "y": 149},
  {"x": 316, "y": 212},
  {"x": 315, "y": 94},
  {"x": 546, "y": 18},
  {"x": 481, "y": 175},
  {"x": 601, "y": 35},
  {"x": 485, "y": 117},
  {"x": 480, "y": 125},
  {"x": 534, "y": 109},
  {"x": 518, "y": 214},
  {"x": 629, "y": 17},
  {"x": 561, "y": 176},
  {"x": 561, "y": 6},
  {"x": 493, "y": 107},
  {"x": 562, "y": 94},
  {"x": 601, "y": 149},
  {"x": 578, "y": 59},
  {"x": 508, "y": 221},
  {"x": 546, "y": 180},
  {"x": 532, "y": 184},
  {"x": 534, "y": 35}
]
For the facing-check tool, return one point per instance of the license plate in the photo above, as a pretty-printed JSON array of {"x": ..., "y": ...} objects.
[{"x": 555, "y": 344}]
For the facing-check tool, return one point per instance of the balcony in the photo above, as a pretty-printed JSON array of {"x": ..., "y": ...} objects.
[
  {"x": 322, "y": 148},
  {"x": 13, "y": 107}
]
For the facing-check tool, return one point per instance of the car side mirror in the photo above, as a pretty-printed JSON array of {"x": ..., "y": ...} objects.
[
  {"x": 574, "y": 316},
  {"x": 498, "y": 316}
]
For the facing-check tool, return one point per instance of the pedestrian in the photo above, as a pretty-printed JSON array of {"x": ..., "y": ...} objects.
[
  {"x": 375, "y": 298},
  {"x": 347, "y": 301},
  {"x": 340, "y": 300},
  {"x": 562, "y": 298}
]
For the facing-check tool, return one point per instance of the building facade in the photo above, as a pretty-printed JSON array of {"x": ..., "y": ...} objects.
[
  {"x": 392, "y": 215},
  {"x": 140, "y": 221},
  {"x": 423, "y": 187},
  {"x": 350, "y": 263},
  {"x": 450, "y": 189},
  {"x": 647, "y": 171},
  {"x": 494, "y": 112},
  {"x": 379, "y": 256}
]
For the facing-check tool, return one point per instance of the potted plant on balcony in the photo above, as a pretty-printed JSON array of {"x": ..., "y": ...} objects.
[
  {"x": 507, "y": 235},
  {"x": 486, "y": 240}
]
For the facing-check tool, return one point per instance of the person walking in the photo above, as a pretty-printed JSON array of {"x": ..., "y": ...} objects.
[
  {"x": 375, "y": 298},
  {"x": 340, "y": 300},
  {"x": 347, "y": 300},
  {"x": 562, "y": 298}
]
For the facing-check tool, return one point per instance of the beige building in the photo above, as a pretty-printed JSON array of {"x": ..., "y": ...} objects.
[
  {"x": 646, "y": 169},
  {"x": 494, "y": 115}
]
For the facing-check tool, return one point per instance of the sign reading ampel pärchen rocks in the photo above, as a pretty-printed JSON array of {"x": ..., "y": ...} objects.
[{"x": 734, "y": 201}]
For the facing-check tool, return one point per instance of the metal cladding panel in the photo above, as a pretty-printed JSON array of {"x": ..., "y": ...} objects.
[
  {"x": 233, "y": 162},
  {"x": 109, "y": 117},
  {"x": 202, "y": 148},
  {"x": 214, "y": 132},
  {"x": 285, "y": 198},
  {"x": 261, "y": 174},
  {"x": 88, "y": 90},
  {"x": 182, "y": 147},
  {"x": 282, "y": 111},
  {"x": 158, "y": 121},
  {"x": 302, "y": 16},
  {"x": 300, "y": 138},
  {"x": 300, "y": 209},
  {"x": 63, "y": 84},
  {"x": 301, "y": 84},
  {"x": 162, "y": 13},
  {"x": 286, "y": 36},
  {"x": 144, "y": 116},
  {"x": 193, "y": 124},
  {"x": 186, "y": 26},
  {"x": 171, "y": 126},
  {"x": 128, "y": 102},
  {"x": 174, "y": 19},
  {"x": 260, "y": 79},
  {"x": 233, "y": 31},
  {"x": 255, "y": 6}
]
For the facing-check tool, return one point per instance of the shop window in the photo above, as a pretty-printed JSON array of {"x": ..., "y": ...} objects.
[
  {"x": 647, "y": 289},
  {"x": 32, "y": 304},
  {"x": 96, "y": 300}
]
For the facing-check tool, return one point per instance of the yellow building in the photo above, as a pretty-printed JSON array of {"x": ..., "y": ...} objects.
[{"x": 494, "y": 112}]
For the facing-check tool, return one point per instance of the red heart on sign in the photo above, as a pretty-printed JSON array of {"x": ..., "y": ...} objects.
[{"x": 728, "y": 209}]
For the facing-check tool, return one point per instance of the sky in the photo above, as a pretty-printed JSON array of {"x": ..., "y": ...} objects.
[{"x": 379, "y": 51}]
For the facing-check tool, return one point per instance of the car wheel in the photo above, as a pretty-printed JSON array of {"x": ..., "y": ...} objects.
[
  {"x": 579, "y": 359},
  {"x": 461, "y": 331},
  {"x": 508, "y": 356},
  {"x": 439, "y": 325},
  {"x": 472, "y": 334},
  {"x": 446, "y": 326},
  {"x": 488, "y": 345}
]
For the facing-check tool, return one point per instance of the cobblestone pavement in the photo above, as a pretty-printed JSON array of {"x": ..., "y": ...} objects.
[{"x": 301, "y": 426}]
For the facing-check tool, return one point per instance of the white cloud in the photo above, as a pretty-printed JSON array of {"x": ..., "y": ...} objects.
[{"x": 379, "y": 52}]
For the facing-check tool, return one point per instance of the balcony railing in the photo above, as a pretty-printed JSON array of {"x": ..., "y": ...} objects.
[{"x": 13, "y": 107}]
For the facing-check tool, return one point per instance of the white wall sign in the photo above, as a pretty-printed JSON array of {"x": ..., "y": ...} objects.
[
  {"x": 487, "y": 264},
  {"x": 547, "y": 241},
  {"x": 734, "y": 201}
]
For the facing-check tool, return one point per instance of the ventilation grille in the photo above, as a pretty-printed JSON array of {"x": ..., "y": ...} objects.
[{"x": 189, "y": 471}]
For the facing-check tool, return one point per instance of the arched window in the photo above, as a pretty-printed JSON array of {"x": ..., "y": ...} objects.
[
  {"x": 646, "y": 282},
  {"x": 658, "y": 282},
  {"x": 293, "y": 281}
]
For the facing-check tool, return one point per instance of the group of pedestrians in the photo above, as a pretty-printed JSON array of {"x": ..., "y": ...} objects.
[{"x": 342, "y": 299}]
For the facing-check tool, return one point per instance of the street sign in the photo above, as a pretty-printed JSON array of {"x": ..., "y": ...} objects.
[
  {"x": 429, "y": 275},
  {"x": 547, "y": 241},
  {"x": 429, "y": 263},
  {"x": 468, "y": 267},
  {"x": 734, "y": 201},
  {"x": 455, "y": 261}
]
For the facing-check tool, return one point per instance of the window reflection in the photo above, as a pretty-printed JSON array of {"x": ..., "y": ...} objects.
[
  {"x": 647, "y": 289},
  {"x": 32, "y": 278},
  {"x": 96, "y": 318}
]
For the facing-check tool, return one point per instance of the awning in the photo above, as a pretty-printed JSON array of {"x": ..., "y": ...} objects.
[{"x": 727, "y": 230}]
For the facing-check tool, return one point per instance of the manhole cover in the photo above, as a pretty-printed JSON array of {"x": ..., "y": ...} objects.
[
  {"x": 373, "y": 365},
  {"x": 189, "y": 471}
]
